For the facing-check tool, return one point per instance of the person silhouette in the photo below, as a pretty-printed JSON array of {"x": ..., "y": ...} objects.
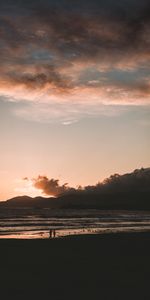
[
  {"x": 54, "y": 233},
  {"x": 50, "y": 233}
]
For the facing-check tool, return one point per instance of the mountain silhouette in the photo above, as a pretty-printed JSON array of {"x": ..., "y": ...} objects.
[{"x": 129, "y": 191}]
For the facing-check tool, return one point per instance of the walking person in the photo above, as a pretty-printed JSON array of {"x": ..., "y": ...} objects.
[
  {"x": 50, "y": 233},
  {"x": 54, "y": 233}
]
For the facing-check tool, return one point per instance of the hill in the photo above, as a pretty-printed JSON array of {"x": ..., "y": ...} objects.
[{"x": 129, "y": 191}]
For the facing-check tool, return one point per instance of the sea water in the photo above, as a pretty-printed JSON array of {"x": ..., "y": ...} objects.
[{"x": 29, "y": 224}]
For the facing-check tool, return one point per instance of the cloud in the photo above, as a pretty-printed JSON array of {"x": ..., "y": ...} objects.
[
  {"x": 50, "y": 186},
  {"x": 85, "y": 54},
  {"x": 139, "y": 180}
]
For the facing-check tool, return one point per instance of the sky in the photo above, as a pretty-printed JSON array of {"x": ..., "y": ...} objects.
[{"x": 74, "y": 91}]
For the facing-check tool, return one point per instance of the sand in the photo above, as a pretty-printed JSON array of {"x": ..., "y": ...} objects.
[{"x": 110, "y": 266}]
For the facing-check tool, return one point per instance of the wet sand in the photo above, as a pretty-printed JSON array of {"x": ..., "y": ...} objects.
[{"x": 110, "y": 266}]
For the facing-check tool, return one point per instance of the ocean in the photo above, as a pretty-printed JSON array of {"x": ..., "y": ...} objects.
[{"x": 29, "y": 224}]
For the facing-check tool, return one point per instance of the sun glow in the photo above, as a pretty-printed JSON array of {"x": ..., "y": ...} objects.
[{"x": 25, "y": 187}]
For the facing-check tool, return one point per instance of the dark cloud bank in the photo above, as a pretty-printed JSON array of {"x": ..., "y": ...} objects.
[
  {"x": 139, "y": 180},
  {"x": 39, "y": 40},
  {"x": 128, "y": 191}
]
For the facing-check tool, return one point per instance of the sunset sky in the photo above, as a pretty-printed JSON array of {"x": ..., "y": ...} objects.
[{"x": 74, "y": 91}]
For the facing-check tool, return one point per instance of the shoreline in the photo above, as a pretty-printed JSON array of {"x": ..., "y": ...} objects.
[
  {"x": 110, "y": 234},
  {"x": 78, "y": 232}
]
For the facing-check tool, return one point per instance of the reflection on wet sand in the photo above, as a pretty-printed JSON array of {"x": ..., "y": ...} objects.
[{"x": 65, "y": 232}]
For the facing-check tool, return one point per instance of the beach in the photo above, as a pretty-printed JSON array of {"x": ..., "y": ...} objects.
[{"x": 106, "y": 266}]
